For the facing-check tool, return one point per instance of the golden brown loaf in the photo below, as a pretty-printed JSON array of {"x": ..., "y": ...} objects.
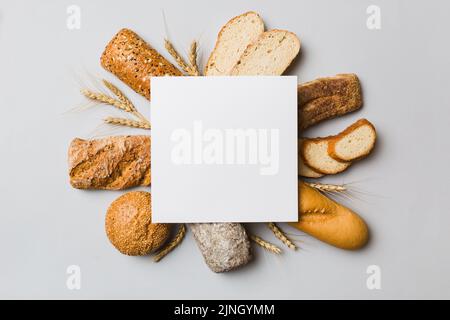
[
  {"x": 327, "y": 98},
  {"x": 134, "y": 61},
  {"x": 129, "y": 225},
  {"x": 111, "y": 163},
  {"x": 329, "y": 221}
]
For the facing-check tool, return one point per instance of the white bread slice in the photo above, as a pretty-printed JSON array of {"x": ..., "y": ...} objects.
[
  {"x": 233, "y": 39},
  {"x": 315, "y": 155},
  {"x": 303, "y": 169},
  {"x": 270, "y": 55},
  {"x": 354, "y": 143}
]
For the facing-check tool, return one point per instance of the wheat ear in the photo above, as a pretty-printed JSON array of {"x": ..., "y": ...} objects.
[
  {"x": 178, "y": 58},
  {"x": 280, "y": 235},
  {"x": 172, "y": 244},
  {"x": 193, "y": 59},
  {"x": 327, "y": 187},
  {"x": 104, "y": 98},
  {"x": 266, "y": 245},
  {"x": 128, "y": 123}
]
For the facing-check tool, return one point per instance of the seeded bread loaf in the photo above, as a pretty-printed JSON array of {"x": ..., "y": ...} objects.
[
  {"x": 112, "y": 163},
  {"x": 233, "y": 39},
  {"x": 129, "y": 226},
  {"x": 225, "y": 246},
  {"x": 329, "y": 221},
  {"x": 134, "y": 61},
  {"x": 270, "y": 55},
  {"x": 327, "y": 98}
]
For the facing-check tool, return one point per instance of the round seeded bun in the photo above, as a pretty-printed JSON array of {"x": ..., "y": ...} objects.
[{"x": 129, "y": 225}]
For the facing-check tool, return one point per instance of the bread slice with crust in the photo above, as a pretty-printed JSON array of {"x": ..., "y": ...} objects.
[
  {"x": 315, "y": 155},
  {"x": 233, "y": 39},
  {"x": 270, "y": 55},
  {"x": 354, "y": 143},
  {"x": 303, "y": 169}
]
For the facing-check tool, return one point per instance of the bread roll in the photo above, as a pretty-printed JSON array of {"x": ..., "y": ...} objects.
[
  {"x": 329, "y": 221},
  {"x": 129, "y": 226},
  {"x": 112, "y": 163},
  {"x": 225, "y": 246},
  {"x": 134, "y": 61}
]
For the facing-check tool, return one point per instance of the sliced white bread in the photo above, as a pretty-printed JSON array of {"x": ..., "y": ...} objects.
[
  {"x": 233, "y": 39},
  {"x": 354, "y": 143},
  {"x": 270, "y": 55},
  {"x": 305, "y": 171},
  {"x": 315, "y": 155}
]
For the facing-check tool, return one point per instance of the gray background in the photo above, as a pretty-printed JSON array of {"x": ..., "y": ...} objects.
[{"x": 46, "y": 225}]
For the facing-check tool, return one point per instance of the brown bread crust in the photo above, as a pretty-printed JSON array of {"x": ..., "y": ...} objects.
[
  {"x": 129, "y": 226},
  {"x": 134, "y": 61},
  {"x": 112, "y": 163},
  {"x": 327, "y": 98}
]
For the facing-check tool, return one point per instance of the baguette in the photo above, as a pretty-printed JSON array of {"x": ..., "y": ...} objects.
[
  {"x": 233, "y": 39},
  {"x": 112, "y": 163},
  {"x": 270, "y": 55},
  {"x": 329, "y": 221},
  {"x": 134, "y": 61},
  {"x": 327, "y": 98},
  {"x": 354, "y": 143}
]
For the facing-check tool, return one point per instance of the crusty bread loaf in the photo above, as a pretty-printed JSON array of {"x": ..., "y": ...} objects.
[
  {"x": 232, "y": 40},
  {"x": 354, "y": 143},
  {"x": 134, "y": 61},
  {"x": 225, "y": 246},
  {"x": 111, "y": 163},
  {"x": 326, "y": 98},
  {"x": 129, "y": 226},
  {"x": 270, "y": 55},
  {"x": 315, "y": 155},
  {"x": 329, "y": 221}
]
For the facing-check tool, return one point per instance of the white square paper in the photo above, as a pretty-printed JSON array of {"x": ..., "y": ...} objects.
[{"x": 224, "y": 149}]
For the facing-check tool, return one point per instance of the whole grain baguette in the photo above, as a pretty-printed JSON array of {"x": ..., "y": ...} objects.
[
  {"x": 270, "y": 55},
  {"x": 112, "y": 163},
  {"x": 327, "y": 98},
  {"x": 134, "y": 61},
  {"x": 232, "y": 40},
  {"x": 329, "y": 221}
]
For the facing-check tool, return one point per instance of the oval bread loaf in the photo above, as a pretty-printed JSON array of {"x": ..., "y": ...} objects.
[
  {"x": 134, "y": 61},
  {"x": 129, "y": 225},
  {"x": 329, "y": 221}
]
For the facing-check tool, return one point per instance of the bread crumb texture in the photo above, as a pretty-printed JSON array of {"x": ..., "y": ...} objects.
[{"x": 129, "y": 225}]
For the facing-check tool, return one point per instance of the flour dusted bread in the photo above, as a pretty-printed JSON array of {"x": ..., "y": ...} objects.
[
  {"x": 134, "y": 61},
  {"x": 354, "y": 143},
  {"x": 315, "y": 155},
  {"x": 269, "y": 55},
  {"x": 327, "y": 98},
  {"x": 329, "y": 221},
  {"x": 111, "y": 163},
  {"x": 233, "y": 39},
  {"x": 129, "y": 225}
]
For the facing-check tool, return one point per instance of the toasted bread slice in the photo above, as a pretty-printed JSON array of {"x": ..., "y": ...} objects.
[
  {"x": 354, "y": 143},
  {"x": 270, "y": 55},
  {"x": 315, "y": 155},
  {"x": 233, "y": 39}
]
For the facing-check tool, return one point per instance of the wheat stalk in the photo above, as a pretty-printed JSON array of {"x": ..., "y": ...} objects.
[
  {"x": 104, "y": 98},
  {"x": 328, "y": 187},
  {"x": 172, "y": 244},
  {"x": 128, "y": 122},
  {"x": 193, "y": 59},
  {"x": 120, "y": 95},
  {"x": 280, "y": 235},
  {"x": 266, "y": 245},
  {"x": 178, "y": 58}
]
